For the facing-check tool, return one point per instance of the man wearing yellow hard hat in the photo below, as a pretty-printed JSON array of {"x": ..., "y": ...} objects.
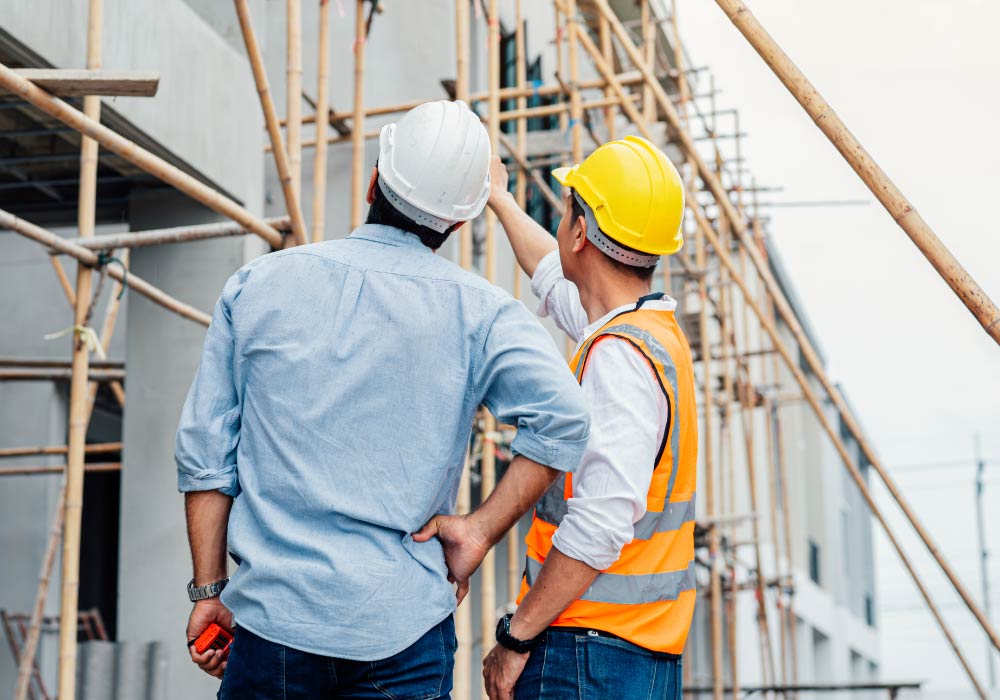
[{"x": 609, "y": 586}]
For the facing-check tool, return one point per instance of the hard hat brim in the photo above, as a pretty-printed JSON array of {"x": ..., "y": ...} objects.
[{"x": 564, "y": 175}]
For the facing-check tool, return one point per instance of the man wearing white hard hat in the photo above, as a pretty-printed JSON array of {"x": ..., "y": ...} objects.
[{"x": 329, "y": 420}]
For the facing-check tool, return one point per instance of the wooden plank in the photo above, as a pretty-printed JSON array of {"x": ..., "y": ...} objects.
[{"x": 76, "y": 83}]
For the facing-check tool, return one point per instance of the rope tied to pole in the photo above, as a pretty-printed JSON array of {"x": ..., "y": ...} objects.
[
  {"x": 84, "y": 334},
  {"x": 105, "y": 258}
]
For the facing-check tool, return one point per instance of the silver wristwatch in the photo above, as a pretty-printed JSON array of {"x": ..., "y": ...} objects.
[{"x": 211, "y": 590}]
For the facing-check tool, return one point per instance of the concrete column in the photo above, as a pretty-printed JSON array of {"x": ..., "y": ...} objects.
[{"x": 162, "y": 355}]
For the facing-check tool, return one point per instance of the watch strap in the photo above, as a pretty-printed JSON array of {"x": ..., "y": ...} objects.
[
  {"x": 509, "y": 641},
  {"x": 210, "y": 590}
]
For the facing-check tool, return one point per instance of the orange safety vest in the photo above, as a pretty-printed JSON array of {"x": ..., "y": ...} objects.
[{"x": 646, "y": 597}]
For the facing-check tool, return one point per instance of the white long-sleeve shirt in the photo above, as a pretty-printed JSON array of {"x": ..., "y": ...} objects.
[{"x": 628, "y": 414}]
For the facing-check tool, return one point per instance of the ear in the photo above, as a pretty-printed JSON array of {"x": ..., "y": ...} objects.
[
  {"x": 372, "y": 184},
  {"x": 578, "y": 234}
]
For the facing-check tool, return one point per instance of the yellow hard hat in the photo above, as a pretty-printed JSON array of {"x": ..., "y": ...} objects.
[{"x": 635, "y": 192}]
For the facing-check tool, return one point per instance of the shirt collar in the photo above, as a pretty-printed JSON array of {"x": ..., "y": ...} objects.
[
  {"x": 665, "y": 304},
  {"x": 387, "y": 235}
]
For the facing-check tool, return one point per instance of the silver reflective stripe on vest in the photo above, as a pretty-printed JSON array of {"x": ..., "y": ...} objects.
[
  {"x": 670, "y": 371},
  {"x": 670, "y": 519},
  {"x": 630, "y": 589},
  {"x": 551, "y": 507}
]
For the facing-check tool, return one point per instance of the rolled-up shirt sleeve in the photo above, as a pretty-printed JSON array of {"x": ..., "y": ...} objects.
[
  {"x": 209, "y": 430},
  {"x": 525, "y": 382},
  {"x": 611, "y": 485}
]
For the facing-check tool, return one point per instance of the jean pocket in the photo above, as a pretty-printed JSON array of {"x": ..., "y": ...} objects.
[
  {"x": 423, "y": 671},
  {"x": 616, "y": 668}
]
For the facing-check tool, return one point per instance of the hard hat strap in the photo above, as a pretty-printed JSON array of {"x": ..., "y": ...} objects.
[{"x": 609, "y": 247}]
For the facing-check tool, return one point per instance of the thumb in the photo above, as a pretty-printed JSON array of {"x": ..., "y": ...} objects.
[{"x": 427, "y": 531}]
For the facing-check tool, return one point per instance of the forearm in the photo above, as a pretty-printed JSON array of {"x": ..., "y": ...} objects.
[
  {"x": 561, "y": 581},
  {"x": 530, "y": 241},
  {"x": 207, "y": 525},
  {"x": 520, "y": 488}
]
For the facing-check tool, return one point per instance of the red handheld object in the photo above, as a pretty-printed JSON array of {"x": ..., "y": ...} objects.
[{"x": 214, "y": 637}]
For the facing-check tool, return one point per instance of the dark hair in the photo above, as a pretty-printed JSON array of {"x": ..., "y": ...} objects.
[
  {"x": 382, "y": 212},
  {"x": 641, "y": 273}
]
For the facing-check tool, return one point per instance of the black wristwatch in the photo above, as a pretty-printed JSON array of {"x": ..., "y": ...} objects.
[{"x": 508, "y": 641}]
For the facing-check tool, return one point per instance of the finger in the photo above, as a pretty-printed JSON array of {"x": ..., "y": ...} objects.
[
  {"x": 427, "y": 531},
  {"x": 463, "y": 590}
]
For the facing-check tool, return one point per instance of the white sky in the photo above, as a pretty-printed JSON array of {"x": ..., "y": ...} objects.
[{"x": 916, "y": 81}]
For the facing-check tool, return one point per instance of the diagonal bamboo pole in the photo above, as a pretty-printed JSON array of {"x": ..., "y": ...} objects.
[
  {"x": 884, "y": 189},
  {"x": 288, "y": 189},
  {"x": 293, "y": 91},
  {"x": 788, "y": 317},
  {"x": 89, "y": 258},
  {"x": 135, "y": 154},
  {"x": 322, "y": 107},
  {"x": 63, "y": 281},
  {"x": 814, "y": 401},
  {"x": 79, "y": 416},
  {"x": 358, "y": 122}
]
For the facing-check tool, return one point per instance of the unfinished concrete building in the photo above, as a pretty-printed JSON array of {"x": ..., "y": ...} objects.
[{"x": 786, "y": 539}]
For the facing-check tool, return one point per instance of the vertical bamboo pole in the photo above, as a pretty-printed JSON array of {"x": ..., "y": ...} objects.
[
  {"x": 561, "y": 66},
  {"x": 648, "y": 33},
  {"x": 271, "y": 121},
  {"x": 358, "y": 122},
  {"x": 78, "y": 384},
  {"x": 575, "y": 107},
  {"x": 715, "y": 601},
  {"x": 608, "y": 52},
  {"x": 293, "y": 87},
  {"x": 521, "y": 184},
  {"x": 462, "y": 93},
  {"x": 514, "y": 563},
  {"x": 779, "y": 570},
  {"x": 322, "y": 121},
  {"x": 463, "y": 616},
  {"x": 488, "y": 463}
]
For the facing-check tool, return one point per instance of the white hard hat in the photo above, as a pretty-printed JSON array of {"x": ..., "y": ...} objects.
[{"x": 434, "y": 164}]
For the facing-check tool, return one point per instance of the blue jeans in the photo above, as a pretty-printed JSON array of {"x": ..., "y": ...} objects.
[
  {"x": 263, "y": 670},
  {"x": 582, "y": 665}
]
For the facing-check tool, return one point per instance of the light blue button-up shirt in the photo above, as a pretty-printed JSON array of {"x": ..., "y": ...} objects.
[{"x": 334, "y": 400}]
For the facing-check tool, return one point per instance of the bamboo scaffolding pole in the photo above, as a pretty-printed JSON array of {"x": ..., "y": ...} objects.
[
  {"x": 462, "y": 93},
  {"x": 790, "y": 320},
  {"x": 463, "y": 615},
  {"x": 884, "y": 189},
  {"x": 178, "y": 234},
  {"x": 78, "y": 414},
  {"x": 358, "y": 118},
  {"x": 288, "y": 188},
  {"x": 488, "y": 463},
  {"x": 107, "y": 331},
  {"x": 293, "y": 92},
  {"x": 575, "y": 106},
  {"x": 507, "y": 93},
  {"x": 135, "y": 154},
  {"x": 514, "y": 562},
  {"x": 792, "y": 363},
  {"x": 63, "y": 281},
  {"x": 89, "y": 259},
  {"x": 322, "y": 107},
  {"x": 607, "y": 51},
  {"x": 59, "y": 469},
  {"x": 330, "y": 140},
  {"x": 30, "y": 648},
  {"x": 772, "y": 474},
  {"x": 93, "y": 448},
  {"x": 58, "y": 374},
  {"x": 648, "y": 33}
]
